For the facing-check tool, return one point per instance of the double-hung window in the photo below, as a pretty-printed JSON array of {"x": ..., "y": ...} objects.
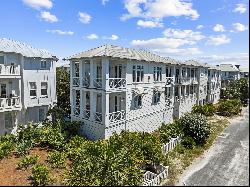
[
  {"x": 157, "y": 74},
  {"x": 138, "y": 73},
  {"x": 44, "y": 89},
  {"x": 168, "y": 71},
  {"x": 138, "y": 101},
  {"x": 32, "y": 89},
  {"x": 43, "y": 64},
  {"x": 157, "y": 97}
]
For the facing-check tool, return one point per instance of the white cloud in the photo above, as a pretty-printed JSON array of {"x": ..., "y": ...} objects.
[
  {"x": 47, "y": 16},
  {"x": 179, "y": 51},
  {"x": 149, "y": 24},
  {"x": 60, "y": 32},
  {"x": 218, "y": 40},
  {"x": 84, "y": 17},
  {"x": 232, "y": 58},
  {"x": 238, "y": 27},
  {"x": 219, "y": 28},
  {"x": 104, "y": 2},
  {"x": 112, "y": 37},
  {"x": 158, "y": 9},
  {"x": 92, "y": 36},
  {"x": 199, "y": 27},
  {"x": 189, "y": 35},
  {"x": 38, "y": 4},
  {"x": 241, "y": 8}
]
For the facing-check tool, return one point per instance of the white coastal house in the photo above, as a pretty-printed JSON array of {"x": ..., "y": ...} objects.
[
  {"x": 115, "y": 88},
  {"x": 229, "y": 72},
  {"x": 27, "y": 84}
]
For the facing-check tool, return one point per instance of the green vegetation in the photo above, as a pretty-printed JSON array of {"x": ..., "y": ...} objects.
[
  {"x": 207, "y": 109},
  {"x": 28, "y": 161},
  {"x": 168, "y": 131},
  {"x": 57, "y": 159},
  {"x": 40, "y": 175},
  {"x": 229, "y": 107}
]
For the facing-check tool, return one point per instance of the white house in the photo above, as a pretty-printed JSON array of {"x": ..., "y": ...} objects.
[
  {"x": 229, "y": 73},
  {"x": 28, "y": 84},
  {"x": 115, "y": 88}
]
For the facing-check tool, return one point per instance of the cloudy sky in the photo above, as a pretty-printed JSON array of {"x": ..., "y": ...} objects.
[{"x": 213, "y": 31}]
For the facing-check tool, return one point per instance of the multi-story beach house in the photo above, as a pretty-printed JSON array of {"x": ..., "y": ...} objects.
[
  {"x": 229, "y": 73},
  {"x": 27, "y": 84},
  {"x": 115, "y": 88}
]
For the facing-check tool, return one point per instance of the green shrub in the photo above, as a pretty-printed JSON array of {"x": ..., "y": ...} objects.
[
  {"x": 40, "y": 175},
  {"x": 195, "y": 126},
  {"x": 23, "y": 147},
  {"x": 56, "y": 159},
  {"x": 207, "y": 109},
  {"x": 28, "y": 161},
  {"x": 188, "y": 142},
  {"x": 5, "y": 148},
  {"x": 8, "y": 137},
  {"x": 168, "y": 131},
  {"x": 229, "y": 107}
]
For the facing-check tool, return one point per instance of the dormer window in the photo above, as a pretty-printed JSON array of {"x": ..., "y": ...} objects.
[{"x": 43, "y": 64}]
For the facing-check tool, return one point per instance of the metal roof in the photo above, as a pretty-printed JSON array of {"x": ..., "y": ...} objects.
[
  {"x": 244, "y": 69},
  {"x": 11, "y": 46},
  {"x": 122, "y": 53},
  {"x": 228, "y": 67}
]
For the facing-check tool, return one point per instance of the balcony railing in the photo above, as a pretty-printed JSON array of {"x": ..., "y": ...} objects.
[
  {"x": 9, "y": 103},
  {"x": 194, "y": 80},
  {"x": 185, "y": 80},
  {"x": 117, "y": 116},
  {"x": 169, "y": 80},
  {"x": 98, "y": 116},
  {"x": 9, "y": 69},
  {"x": 86, "y": 114},
  {"x": 168, "y": 102},
  {"x": 85, "y": 82},
  {"x": 76, "y": 81},
  {"x": 117, "y": 82},
  {"x": 98, "y": 83},
  {"x": 76, "y": 110}
]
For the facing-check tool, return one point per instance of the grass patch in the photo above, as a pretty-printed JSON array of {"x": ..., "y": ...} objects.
[{"x": 180, "y": 157}]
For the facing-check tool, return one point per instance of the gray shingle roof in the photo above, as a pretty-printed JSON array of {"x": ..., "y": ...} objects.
[
  {"x": 244, "y": 69},
  {"x": 11, "y": 46},
  {"x": 123, "y": 53},
  {"x": 228, "y": 67}
]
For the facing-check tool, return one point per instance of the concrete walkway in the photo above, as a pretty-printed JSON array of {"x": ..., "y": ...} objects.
[{"x": 226, "y": 163}]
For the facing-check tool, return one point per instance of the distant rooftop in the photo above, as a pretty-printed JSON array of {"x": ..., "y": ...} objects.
[
  {"x": 11, "y": 46},
  {"x": 228, "y": 67}
]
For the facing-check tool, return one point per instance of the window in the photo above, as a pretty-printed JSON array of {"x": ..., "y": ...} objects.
[
  {"x": 168, "y": 71},
  {"x": 137, "y": 101},
  {"x": 138, "y": 73},
  {"x": 3, "y": 91},
  {"x": 192, "y": 72},
  {"x": 156, "y": 97},
  {"x": 1, "y": 59},
  {"x": 43, "y": 64},
  {"x": 8, "y": 121},
  {"x": 41, "y": 114},
  {"x": 44, "y": 88},
  {"x": 188, "y": 72},
  {"x": 157, "y": 74},
  {"x": 176, "y": 91},
  {"x": 32, "y": 89}
]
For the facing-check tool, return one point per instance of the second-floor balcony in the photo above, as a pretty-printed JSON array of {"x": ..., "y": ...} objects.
[
  {"x": 117, "y": 116},
  {"x": 117, "y": 83},
  {"x": 169, "y": 80},
  {"x": 9, "y": 70},
  {"x": 8, "y": 104}
]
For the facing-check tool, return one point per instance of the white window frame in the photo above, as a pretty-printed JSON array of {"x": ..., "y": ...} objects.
[
  {"x": 44, "y": 89},
  {"x": 33, "y": 89},
  {"x": 136, "y": 101},
  {"x": 157, "y": 74},
  {"x": 42, "y": 63},
  {"x": 156, "y": 97},
  {"x": 138, "y": 73},
  {"x": 2, "y": 55}
]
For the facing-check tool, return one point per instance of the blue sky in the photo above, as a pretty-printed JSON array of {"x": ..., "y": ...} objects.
[{"x": 213, "y": 31}]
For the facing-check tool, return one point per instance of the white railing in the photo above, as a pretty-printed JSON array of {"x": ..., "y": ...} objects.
[
  {"x": 86, "y": 114},
  {"x": 76, "y": 81},
  {"x": 9, "y": 103},
  {"x": 152, "y": 179},
  {"x": 168, "y": 102},
  {"x": 194, "y": 80},
  {"x": 169, "y": 80},
  {"x": 9, "y": 69},
  {"x": 170, "y": 145},
  {"x": 76, "y": 110},
  {"x": 85, "y": 82},
  {"x": 98, "y": 116},
  {"x": 117, "y": 82},
  {"x": 98, "y": 82},
  {"x": 117, "y": 116},
  {"x": 185, "y": 80}
]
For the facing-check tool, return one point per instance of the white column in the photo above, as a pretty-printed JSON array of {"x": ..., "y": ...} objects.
[
  {"x": 91, "y": 78},
  {"x": 105, "y": 73},
  {"x": 92, "y": 105},
  {"x": 105, "y": 108},
  {"x": 71, "y": 88},
  {"x": 80, "y": 72}
]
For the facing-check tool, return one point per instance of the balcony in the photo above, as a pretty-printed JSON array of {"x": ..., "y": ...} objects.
[
  {"x": 9, "y": 70},
  {"x": 194, "y": 80},
  {"x": 86, "y": 114},
  {"x": 76, "y": 81},
  {"x": 168, "y": 102},
  {"x": 117, "y": 116},
  {"x": 169, "y": 80},
  {"x": 8, "y": 104},
  {"x": 185, "y": 80},
  {"x": 85, "y": 82},
  {"x": 117, "y": 83},
  {"x": 76, "y": 111},
  {"x": 98, "y": 116},
  {"x": 97, "y": 83}
]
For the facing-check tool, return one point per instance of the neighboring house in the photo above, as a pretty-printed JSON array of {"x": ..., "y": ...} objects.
[
  {"x": 28, "y": 84},
  {"x": 244, "y": 72},
  {"x": 66, "y": 67},
  {"x": 229, "y": 72},
  {"x": 115, "y": 88}
]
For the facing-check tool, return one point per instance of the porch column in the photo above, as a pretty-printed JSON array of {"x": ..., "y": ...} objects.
[
  {"x": 80, "y": 72},
  {"x": 92, "y": 105},
  {"x": 179, "y": 91},
  {"x": 91, "y": 78},
  {"x": 105, "y": 108},
  {"x": 71, "y": 88},
  {"x": 105, "y": 73}
]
